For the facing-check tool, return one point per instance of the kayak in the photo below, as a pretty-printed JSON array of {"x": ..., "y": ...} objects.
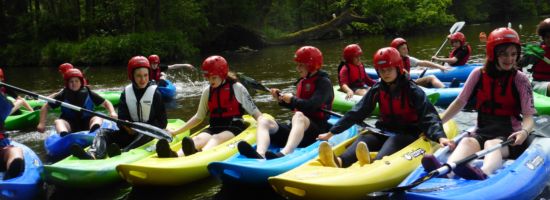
[
  {"x": 59, "y": 147},
  {"x": 256, "y": 171},
  {"x": 314, "y": 181},
  {"x": 523, "y": 178},
  {"x": 22, "y": 119},
  {"x": 73, "y": 172},
  {"x": 181, "y": 170},
  {"x": 542, "y": 104},
  {"x": 341, "y": 104},
  {"x": 460, "y": 73},
  {"x": 446, "y": 95},
  {"x": 168, "y": 91},
  {"x": 112, "y": 96},
  {"x": 28, "y": 185}
]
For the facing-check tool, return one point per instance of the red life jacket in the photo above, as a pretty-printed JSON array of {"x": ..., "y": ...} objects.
[
  {"x": 497, "y": 97},
  {"x": 2, "y": 136},
  {"x": 407, "y": 63},
  {"x": 464, "y": 60},
  {"x": 304, "y": 90},
  {"x": 222, "y": 102},
  {"x": 155, "y": 74},
  {"x": 396, "y": 110},
  {"x": 541, "y": 70},
  {"x": 356, "y": 75}
]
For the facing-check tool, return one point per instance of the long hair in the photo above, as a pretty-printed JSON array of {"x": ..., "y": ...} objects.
[{"x": 490, "y": 67}]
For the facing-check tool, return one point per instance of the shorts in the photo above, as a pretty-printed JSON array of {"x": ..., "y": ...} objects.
[
  {"x": 78, "y": 124},
  {"x": 280, "y": 137},
  {"x": 514, "y": 151},
  {"x": 235, "y": 126},
  {"x": 540, "y": 87}
]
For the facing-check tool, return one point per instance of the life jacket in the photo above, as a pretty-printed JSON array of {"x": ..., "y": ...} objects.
[
  {"x": 356, "y": 74},
  {"x": 407, "y": 63},
  {"x": 541, "y": 70},
  {"x": 304, "y": 90},
  {"x": 140, "y": 111},
  {"x": 396, "y": 110},
  {"x": 156, "y": 74},
  {"x": 88, "y": 104},
  {"x": 497, "y": 96},
  {"x": 464, "y": 60},
  {"x": 222, "y": 102}
]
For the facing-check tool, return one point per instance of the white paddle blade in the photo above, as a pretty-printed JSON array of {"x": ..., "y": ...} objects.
[{"x": 457, "y": 27}]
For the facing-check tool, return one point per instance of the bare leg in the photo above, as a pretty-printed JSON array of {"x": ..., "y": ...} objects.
[
  {"x": 265, "y": 126},
  {"x": 361, "y": 92},
  {"x": 436, "y": 83},
  {"x": 466, "y": 147},
  {"x": 493, "y": 160},
  {"x": 300, "y": 123},
  {"x": 62, "y": 126},
  {"x": 201, "y": 140},
  {"x": 217, "y": 139},
  {"x": 95, "y": 120}
]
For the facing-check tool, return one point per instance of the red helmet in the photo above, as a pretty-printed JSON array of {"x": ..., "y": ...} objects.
[
  {"x": 215, "y": 65},
  {"x": 458, "y": 36},
  {"x": 388, "y": 57},
  {"x": 351, "y": 51},
  {"x": 395, "y": 43},
  {"x": 135, "y": 63},
  {"x": 154, "y": 59},
  {"x": 544, "y": 27},
  {"x": 501, "y": 36},
  {"x": 71, "y": 73},
  {"x": 310, "y": 56},
  {"x": 64, "y": 67}
]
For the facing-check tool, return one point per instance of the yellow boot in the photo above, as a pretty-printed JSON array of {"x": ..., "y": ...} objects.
[
  {"x": 326, "y": 156},
  {"x": 362, "y": 153}
]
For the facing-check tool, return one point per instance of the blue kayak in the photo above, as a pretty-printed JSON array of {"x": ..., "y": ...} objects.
[
  {"x": 167, "y": 91},
  {"x": 446, "y": 95},
  {"x": 460, "y": 73},
  {"x": 58, "y": 147},
  {"x": 256, "y": 171},
  {"x": 523, "y": 178},
  {"x": 26, "y": 186}
]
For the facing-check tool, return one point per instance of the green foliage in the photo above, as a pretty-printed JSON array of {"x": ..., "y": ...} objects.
[{"x": 498, "y": 10}]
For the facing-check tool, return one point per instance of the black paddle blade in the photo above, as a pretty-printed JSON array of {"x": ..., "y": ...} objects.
[
  {"x": 150, "y": 130},
  {"x": 250, "y": 82}
]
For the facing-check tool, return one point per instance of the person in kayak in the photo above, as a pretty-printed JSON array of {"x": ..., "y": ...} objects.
[
  {"x": 225, "y": 101},
  {"x": 504, "y": 103},
  {"x": 139, "y": 102},
  {"x": 351, "y": 73},
  {"x": 18, "y": 101},
  {"x": 461, "y": 50},
  {"x": 404, "y": 110},
  {"x": 11, "y": 158},
  {"x": 541, "y": 69},
  {"x": 408, "y": 61},
  {"x": 76, "y": 93},
  {"x": 158, "y": 69},
  {"x": 313, "y": 93}
]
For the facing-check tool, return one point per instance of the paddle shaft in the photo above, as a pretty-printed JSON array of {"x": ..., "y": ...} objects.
[{"x": 79, "y": 109}]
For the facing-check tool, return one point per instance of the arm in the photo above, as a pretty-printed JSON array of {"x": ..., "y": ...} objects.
[
  {"x": 25, "y": 103},
  {"x": 244, "y": 98},
  {"x": 314, "y": 103},
  {"x": 527, "y": 108},
  {"x": 344, "y": 82},
  {"x": 110, "y": 108},
  {"x": 425, "y": 63},
  {"x": 179, "y": 66},
  {"x": 160, "y": 118},
  {"x": 451, "y": 60},
  {"x": 41, "y": 127},
  {"x": 463, "y": 97},
  {"x": 428, "y": 118},
  {"x": 199, "y": 116}
]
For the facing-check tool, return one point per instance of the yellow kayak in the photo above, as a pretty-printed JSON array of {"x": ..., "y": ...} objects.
[
  {"x": 314, "y": 181},
  {"x": 178, "y": 171}
]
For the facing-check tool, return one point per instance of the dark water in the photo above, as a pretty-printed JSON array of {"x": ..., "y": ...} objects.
[{"x": 272, "y": 66}]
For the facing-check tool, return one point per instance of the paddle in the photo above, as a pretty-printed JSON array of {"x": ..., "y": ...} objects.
[
  {"x": 139, "y": 127},
  {"x": 248, "y": 81},
  {"x": 455, "y": 28},
  {"x": 447, "y": 167}
]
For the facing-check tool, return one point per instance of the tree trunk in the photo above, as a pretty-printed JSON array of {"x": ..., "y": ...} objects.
[{"x": 320, "y": 30}]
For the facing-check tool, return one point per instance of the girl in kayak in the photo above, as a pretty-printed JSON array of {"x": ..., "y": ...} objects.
[
  {"x": 158, "y": 69},
  {"x": 504, "y": 103},
  {"x": 409, "y": 62},
  {"x": 404, "y": 110},
  {"x": 225, "y": 100},
  {"x": 139, "y": 102},
  {"x": 460, "y": 53},
  {"x": 351, "y": 73},
  {"x": 313, "y": 93},
  {"x": 76, "y": 93},
  {"x": 18, "y": 101},
  {"x": 11, "y": 158}
]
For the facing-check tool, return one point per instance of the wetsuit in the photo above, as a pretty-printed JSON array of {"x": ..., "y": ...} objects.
[{"x": 84, "y": 98}]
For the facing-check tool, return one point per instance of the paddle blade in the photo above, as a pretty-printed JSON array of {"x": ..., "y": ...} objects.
[
  {"x": 457, "y": 27},
  {"x": 150, "y": 130},
  {"x": 5, "y": 108},
  {"x": 250, "y": 82}
]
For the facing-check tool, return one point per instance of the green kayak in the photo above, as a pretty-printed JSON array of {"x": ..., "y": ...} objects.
[
  {"x": 340, "y": 104},
  {"x": 112, "y": 96},
  {"x": 73, "y": 172},
  {"x": 22, "y": 119},
  {"x": 542, "y": 104}
]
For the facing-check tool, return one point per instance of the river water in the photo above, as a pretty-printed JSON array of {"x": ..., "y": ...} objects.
[{"x": 272, "y": 66}]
